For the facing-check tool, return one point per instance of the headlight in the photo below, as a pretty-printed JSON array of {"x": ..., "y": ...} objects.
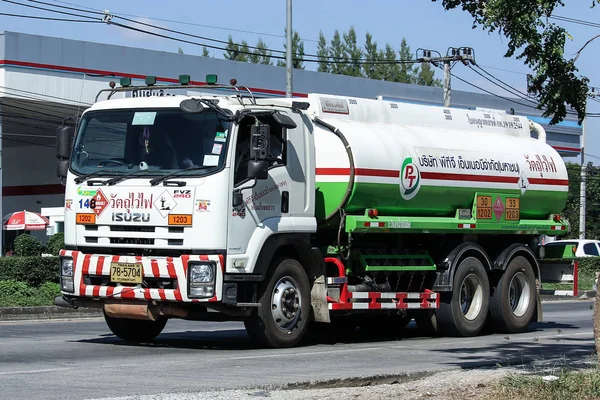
[
  {"x": 66, "y": 267},
  {"x": 201, "y": 280},
  {"x": 66, "y": 275},
  {"x": 201, "y": 273}
]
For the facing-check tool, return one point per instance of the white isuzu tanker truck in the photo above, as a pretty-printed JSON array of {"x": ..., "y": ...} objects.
[{"x": 287, "y": 212}]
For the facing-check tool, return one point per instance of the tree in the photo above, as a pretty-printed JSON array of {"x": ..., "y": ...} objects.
[
  {"x": 235, "y": 52},
  {"x": 592, "y": 194},
  {"x": 261, "y": 55},
  {"x": 540, "y": 44},
  {"x": 323, "y": 54},
  {"x": 426, "y": 76},
  {"x": 371, "y": 56},
  {"x": 337, "y": 52},
  {"x": 180, "y": 50},
  {"x": 205, "y": 52},
  {"x": 391, "y": 70},
  {"x": 407, "y": 72},
  {"x": 353, "y": 53},
  {"x": 297, "y": 52}
]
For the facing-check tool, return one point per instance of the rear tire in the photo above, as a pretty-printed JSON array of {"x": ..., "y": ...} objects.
[
  {"x": 284, "y": 310},
  {"x": 514, "y": 300},
  {"x": 463, "y": 312},
  {"x": 135, "y": 330},
  {"x": 426, "y": 322}
]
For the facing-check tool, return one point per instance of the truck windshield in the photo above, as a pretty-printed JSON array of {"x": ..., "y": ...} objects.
[{"x": 159, "y": 141}]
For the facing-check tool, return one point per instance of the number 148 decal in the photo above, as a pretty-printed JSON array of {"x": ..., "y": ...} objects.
[{"x": 88, "y": 203}]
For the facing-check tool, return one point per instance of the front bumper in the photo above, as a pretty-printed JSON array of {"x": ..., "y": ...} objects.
[{"x": 91, "y": 276}]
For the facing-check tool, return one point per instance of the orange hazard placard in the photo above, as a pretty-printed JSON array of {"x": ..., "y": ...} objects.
[{"x": 85, "y": 218}]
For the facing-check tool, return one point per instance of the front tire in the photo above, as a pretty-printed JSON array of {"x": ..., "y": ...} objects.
[
  {"x": 513, "y": 303},
  {"x": 463, "y": 312},
  {"x": 135, "y": 330},
  {"x": 284, "y": 310}
]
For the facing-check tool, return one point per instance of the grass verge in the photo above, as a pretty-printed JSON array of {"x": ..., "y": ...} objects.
[{"x": 571, "y": 384}]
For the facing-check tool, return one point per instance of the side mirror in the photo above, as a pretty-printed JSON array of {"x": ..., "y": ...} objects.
[
  {"x": 258, "y": 169},
  {"x": 63, "y": 141},
  {"x": 260, "y": 137},
  {"x": 193, "y": 106},
  {"x": 284, "y": 121},
  {"x": 62, "y": 168}
]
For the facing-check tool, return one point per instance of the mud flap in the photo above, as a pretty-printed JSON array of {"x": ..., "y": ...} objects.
[
  {"x": 538, "y": 311},
  {"x": 318, "y": 299}
]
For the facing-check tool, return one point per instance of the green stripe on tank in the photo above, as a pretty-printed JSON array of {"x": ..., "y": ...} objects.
[{"x": 431, "y": 200}]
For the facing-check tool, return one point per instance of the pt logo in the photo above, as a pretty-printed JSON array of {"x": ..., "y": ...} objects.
[{"x": 410, "y": 177}]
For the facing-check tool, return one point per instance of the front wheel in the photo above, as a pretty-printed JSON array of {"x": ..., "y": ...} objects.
[
  {"x": 463, "y": 312},
  {"x": 284, "y": 310},
  {"x": 135, "y": 330},
  {"x": 514, "y": 300}
]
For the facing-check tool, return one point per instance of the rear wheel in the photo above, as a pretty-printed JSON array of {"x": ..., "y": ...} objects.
[
  {"x": 463, "y": 311},
  {"x": 513, "y": 303},
  {"x": 135, "y": 330},
  {"x": 284, "y": 310},
  {"x": 426, "y": 322}
]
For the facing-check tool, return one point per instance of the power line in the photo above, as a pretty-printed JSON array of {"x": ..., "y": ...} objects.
[
  {"x": 575, "y": 21},
  {"x": 512, "y": 90},
  {"x": 49, "y": 18},
  {"x": 329, "y": 60},
  {"x": 48, "y": 9},
  {"x": 188, "y": 23}
]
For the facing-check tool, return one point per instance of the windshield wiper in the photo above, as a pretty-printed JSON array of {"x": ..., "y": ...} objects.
[
  {"x": 119, "y": 178},
  {"x": 158, "y": 180},
  {"x": 82, "y": 178}
]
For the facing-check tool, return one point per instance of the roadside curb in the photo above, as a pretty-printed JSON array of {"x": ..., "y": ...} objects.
[{"x": 42, "y": 313}]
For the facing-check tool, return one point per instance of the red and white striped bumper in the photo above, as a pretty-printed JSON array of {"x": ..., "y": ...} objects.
[
  {"x": 85, "y": 265},
  {"x": 387, "y": 301}
]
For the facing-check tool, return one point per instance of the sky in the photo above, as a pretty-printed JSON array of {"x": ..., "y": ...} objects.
[{"x": 424, "y": 24}]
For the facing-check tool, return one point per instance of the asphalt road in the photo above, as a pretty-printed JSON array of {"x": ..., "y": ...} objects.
[{"x": 80, "y": 359}]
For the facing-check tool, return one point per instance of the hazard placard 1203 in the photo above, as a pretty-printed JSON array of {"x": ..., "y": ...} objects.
[{"x": 513, "y": 206}]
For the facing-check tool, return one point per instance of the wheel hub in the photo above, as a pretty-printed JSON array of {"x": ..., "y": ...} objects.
[
  {"x": 471, "y": 297},
  {"x": 286, "y": 303},
  {"x": 519, "y": 294}
]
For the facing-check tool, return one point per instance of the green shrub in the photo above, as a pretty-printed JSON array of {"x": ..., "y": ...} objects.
[
  {"x": 34, "y": 271},
  {"x": 56, "y": 243},
  {"x": 19, "y": 294},
  {"x": 27, "y": 246}
]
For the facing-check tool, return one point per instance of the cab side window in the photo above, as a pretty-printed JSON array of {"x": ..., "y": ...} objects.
[
  {"x": 277, "y": 146},
  {"x": 590, "y": 249}
]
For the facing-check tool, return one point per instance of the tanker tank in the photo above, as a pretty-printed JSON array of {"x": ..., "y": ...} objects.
[{"x": 415, "y": 160}]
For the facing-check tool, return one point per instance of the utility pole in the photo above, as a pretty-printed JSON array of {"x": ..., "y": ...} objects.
[
  {"x": 453, "y": 55},
  {"x": 447, "y": 95},
  {"x": 582, "y": 187},
  {"x": 288, "y": 51}
]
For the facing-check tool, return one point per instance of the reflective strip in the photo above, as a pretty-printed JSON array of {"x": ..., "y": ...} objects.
[
  {"x": 467, "y": 226},
  {"x": 374, "y": 224}
]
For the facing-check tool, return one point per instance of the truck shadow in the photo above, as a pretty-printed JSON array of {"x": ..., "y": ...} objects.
[
  {"x": 550, "y": 352},
  {"x": 237, "y": 339}
]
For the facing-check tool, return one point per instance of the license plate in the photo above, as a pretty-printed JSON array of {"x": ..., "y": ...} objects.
[{"x": 126, "y": 273}]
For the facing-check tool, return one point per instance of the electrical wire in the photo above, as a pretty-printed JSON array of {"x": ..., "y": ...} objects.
[
  {"x": 329, "y": 60},
  {"x": 184, "y": 22},
  {"x": 498, "y": 82},
  {"x": 49, "y": 18}
]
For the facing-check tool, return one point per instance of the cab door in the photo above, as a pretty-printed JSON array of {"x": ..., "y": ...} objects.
[{"x": 268, "y": 206}]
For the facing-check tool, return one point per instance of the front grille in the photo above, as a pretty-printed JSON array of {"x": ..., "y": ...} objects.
[
  {"x": 133, "y": 235},
  {"x": 129, "y": 228},
  {"x": 145, "y": 241}
]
